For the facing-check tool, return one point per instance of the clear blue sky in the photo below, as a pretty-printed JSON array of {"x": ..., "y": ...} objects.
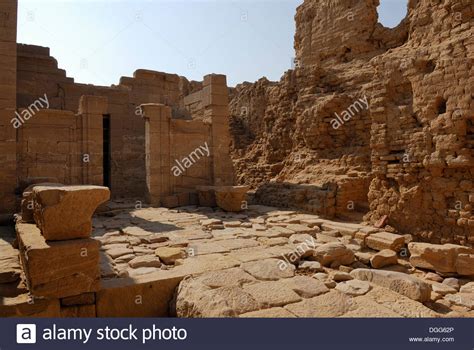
[{"x": 99, "y": 41}]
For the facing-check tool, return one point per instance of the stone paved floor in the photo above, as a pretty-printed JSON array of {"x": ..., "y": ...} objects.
[{"x": 266, "y": 262}]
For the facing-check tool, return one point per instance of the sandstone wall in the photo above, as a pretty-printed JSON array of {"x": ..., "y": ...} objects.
[
  {"x": 62, "y": 145},
  {"x": 8, "y": 58},
  {"x": 182, "y": 154},
  {"x": 38, "y": 74}
]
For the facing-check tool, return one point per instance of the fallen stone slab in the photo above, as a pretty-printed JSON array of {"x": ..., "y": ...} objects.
[
  {"x": 465, "y": 264},
  {"x": 169, "y": 255},
  {"x": 401, "y": 283},
  {"x": 144, "y": 261},
  {"x": 58, "y": 269},
  {"x": 384, "y": 258},
  {"x": 334, "y": 252},
  {"x": 385, "y": 240},
  {"x": 461, "y": 299},
  {"x": 442, "y": 258},
  {"x": 65, "y": 212}
]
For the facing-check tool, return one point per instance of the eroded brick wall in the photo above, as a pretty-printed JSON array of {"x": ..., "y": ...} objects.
[{"x": 422, "y": 126}]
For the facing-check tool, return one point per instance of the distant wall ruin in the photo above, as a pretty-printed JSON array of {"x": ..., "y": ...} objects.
[{"x": 65, "y": 140}]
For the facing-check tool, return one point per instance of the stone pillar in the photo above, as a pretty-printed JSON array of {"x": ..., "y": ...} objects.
[
  {"x": 215, "y": 99},
  {"x": 8, "y": 58},
  {"x": 91, "y": 113},
  {"x": 157, "y": 149}
]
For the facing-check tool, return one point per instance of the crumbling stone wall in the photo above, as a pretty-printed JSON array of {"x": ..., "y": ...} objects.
[
  {"x": 422, "y": 117},
  {"x": 407, "y": 156},
  {"x": 38, "y": 74}
]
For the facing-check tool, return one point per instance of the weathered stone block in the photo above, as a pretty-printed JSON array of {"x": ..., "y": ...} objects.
[
  {"x": 385, "y": 240},
  {"x": 436, "y": 257},
  {"x": 144, "y": 297},
  {"x": 24, "y": 306},
  {"x": 58, "y": 269},
  {"x": 66, "y": 212},
  {"x": 399, "y": 282},
  {"x": 231, "y": 198}
]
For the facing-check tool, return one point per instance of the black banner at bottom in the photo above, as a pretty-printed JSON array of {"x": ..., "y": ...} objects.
[{"x": 170, "y": 333}]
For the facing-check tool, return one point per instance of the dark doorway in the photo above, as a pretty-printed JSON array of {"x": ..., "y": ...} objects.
[{"x": 106, "y": 150}]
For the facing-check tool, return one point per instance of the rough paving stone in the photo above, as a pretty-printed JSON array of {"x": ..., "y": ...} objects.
[
  {"x": 385, "y": 240},
  {"x": 169, "y": 255},
  {"x": 229, "y": 277},
  {"x": 274, "y": 293},
  {"x": 329, "y": 253},
  {"x": 433, "y": 277},
  {"x": 269, "y": 269},
  {"x": 274, "y": 312},
  {"x": 196, "y": 300},
  {"x": 331, "y": 304},
  {"x": 302, "y": 238},
  {"x": 312, "y": 266},
  {"x": 383, "y": 302},
  {"x": 436, "y": 257},
  {"x": 119, "y": 251},
  {"x": 443, "y": 289},
  {"x": 145, "y": 261},
  {"x": 210, "y": 222},
  {"x": 232, "y": 224},
  {"x": 404, "y": 284},
  {"x": 452, "y": 282},
  {"x": 462, "y": 299},
  {"x": 65, "y": 212},
  {"x": 467, "y": 288},
  {"x": 341, "y": 276},
  {"x": 304, "y": 286},
  {"x": 353, "y": 287},
  {"x": 238, "y": 243},
  {"x": 384, "y": 258}
]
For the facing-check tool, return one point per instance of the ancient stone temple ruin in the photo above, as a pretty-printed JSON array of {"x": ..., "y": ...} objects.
[{"x": 343, "y": 190}]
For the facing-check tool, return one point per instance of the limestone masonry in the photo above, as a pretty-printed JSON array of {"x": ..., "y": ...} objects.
[{"x": 346, "y": 189}]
